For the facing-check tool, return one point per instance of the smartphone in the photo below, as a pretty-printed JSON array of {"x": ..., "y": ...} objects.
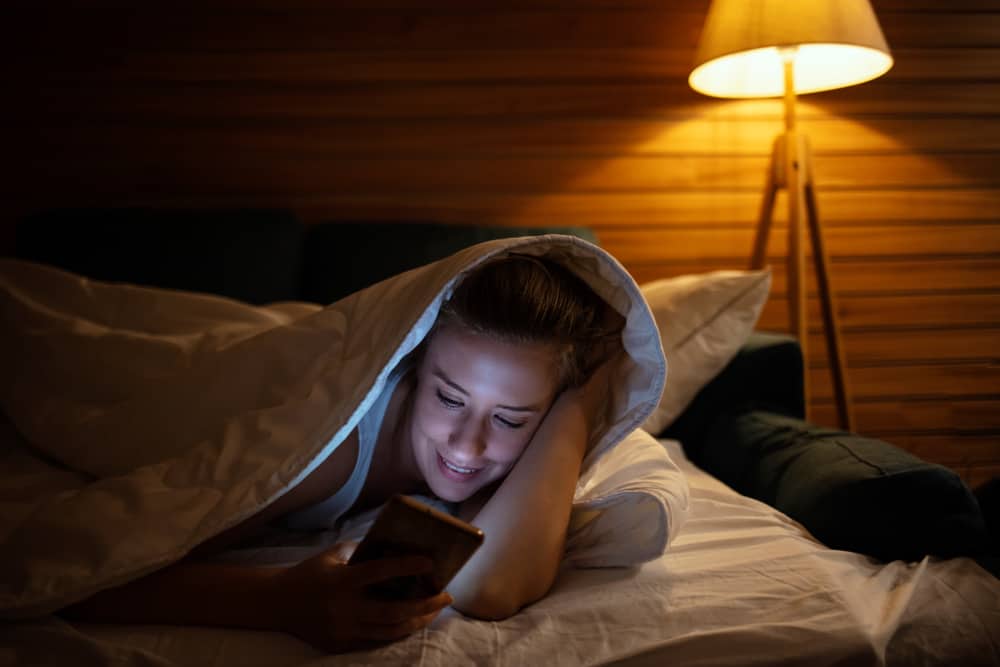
[{"x": 405, "y": 526}]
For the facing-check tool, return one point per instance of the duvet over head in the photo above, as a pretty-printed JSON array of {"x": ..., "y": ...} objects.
[{"x": 142, "y": 422}]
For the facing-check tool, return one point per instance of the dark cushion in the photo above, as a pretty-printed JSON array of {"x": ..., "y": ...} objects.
[
  {"x": 851, "y": 492},
  {"x": 766, "y": 373},
  {"x": 247, "y": 254},
  {"x": 344, "y": 257}
]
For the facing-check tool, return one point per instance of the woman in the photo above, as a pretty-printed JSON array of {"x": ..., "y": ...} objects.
[{"x": 493, "y": 411}]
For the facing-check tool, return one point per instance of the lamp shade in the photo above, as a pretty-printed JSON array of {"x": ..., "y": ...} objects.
[{"x": 836, "y": 43}]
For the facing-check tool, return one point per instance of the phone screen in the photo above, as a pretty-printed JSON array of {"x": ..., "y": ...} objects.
[{"x": 406, "y": 526}]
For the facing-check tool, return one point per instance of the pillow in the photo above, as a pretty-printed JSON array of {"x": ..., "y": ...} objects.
[
  {"x": 628, "y": 506},
  {"x": 703, "y": 320},
  {"x": 851, "y": 492}
]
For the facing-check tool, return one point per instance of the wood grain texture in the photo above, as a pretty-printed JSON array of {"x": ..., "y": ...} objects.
[
  {"x": 528, "y": 112},
  {"x": 567, "y": 138}
]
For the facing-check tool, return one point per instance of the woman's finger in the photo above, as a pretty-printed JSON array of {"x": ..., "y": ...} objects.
[
  {"x": 378, "y": 612},
  {"x": 346, "y": 549},
  {"x": 331, "y": 556}
]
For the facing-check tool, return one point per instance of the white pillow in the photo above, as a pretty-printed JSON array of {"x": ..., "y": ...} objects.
[
  {"x": 628, "y": 505},
  {"x": 703, "y": 320}
]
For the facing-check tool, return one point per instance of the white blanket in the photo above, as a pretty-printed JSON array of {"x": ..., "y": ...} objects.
[{"x": 157, "y": 419}]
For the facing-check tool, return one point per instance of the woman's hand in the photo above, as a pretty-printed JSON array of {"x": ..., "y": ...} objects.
[
  {"x": 592, "y": 398},
  {"x": 325, "y": 602}
]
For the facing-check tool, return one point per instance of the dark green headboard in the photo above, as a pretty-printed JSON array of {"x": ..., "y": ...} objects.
[{"x": 341, "y": 258}]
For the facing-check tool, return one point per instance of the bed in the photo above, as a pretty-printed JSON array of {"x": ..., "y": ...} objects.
[{"x": 900, "y": 577}]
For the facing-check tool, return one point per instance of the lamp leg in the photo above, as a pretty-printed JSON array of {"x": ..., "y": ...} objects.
[
  {"x": 794, "y": 175},
  {"x": 791, "y": 169},
  {"x": 784, "y": 173},
  {"x": 797, "y": 312},
  {"x": 774, "y": 181},
  {"x": 828, "y": 306}
]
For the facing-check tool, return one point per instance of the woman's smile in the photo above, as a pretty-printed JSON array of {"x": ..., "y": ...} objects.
[
  {"x": 476, "y": 404},
  {"x": 454, "y": 471}
]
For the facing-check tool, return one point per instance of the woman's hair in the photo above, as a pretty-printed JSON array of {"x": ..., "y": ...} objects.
[{"x": 526, "y": 299}]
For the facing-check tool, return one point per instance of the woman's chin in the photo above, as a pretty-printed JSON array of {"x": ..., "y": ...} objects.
[
  {"x": 451, "y": 496},
  {"x": 449, "y": 492}
]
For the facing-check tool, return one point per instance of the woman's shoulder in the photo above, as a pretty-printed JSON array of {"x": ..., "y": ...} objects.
[{"x": 328, "y": 477}]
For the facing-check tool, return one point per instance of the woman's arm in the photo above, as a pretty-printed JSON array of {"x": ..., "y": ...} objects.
[
  {"x": 321, "y": 600},
  {"x": 525, "y": 520},
  {"x": 188, "y": 593}
]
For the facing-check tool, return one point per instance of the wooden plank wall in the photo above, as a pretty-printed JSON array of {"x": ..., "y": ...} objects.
[{"x": 554, "y": 111}]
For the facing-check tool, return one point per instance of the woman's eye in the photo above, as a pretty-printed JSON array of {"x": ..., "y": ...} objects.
[
  {"x": 508, "y": 423},
  {"x": 448, "y": 402}
]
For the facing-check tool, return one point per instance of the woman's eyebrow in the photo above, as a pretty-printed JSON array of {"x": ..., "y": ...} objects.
[
  {"x": 517, "y": 408},
  {"x": 440, "y": 374},
  {"x": 448, "y": 381}
]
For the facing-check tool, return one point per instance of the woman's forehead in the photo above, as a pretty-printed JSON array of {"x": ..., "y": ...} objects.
[{"x": 482, "y": 364}]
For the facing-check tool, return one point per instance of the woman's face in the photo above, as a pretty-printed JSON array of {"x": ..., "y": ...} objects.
[{"x": 476, "y": 405}]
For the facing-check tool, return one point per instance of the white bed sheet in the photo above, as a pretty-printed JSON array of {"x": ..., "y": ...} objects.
[{"x": 742, "y": 584}]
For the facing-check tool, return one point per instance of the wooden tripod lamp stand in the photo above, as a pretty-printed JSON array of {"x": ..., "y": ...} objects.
[{"x": 782, "y": 48}]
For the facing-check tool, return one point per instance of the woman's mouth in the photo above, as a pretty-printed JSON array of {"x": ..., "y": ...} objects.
[{"x": 454, "y": 471}]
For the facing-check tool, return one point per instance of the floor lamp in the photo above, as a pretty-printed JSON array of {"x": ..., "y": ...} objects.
[{"x": 784, "y": 48}]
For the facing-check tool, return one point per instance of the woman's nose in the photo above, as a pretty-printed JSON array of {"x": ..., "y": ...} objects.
[{"x": 468, "y": 440}]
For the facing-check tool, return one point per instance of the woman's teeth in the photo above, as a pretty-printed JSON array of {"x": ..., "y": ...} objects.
[{"x": 458, "y": 469}]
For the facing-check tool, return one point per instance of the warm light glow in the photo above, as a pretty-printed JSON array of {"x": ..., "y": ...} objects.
[
  {"x": 835, "y": 43},
  {"x": 759, "y": 73}
]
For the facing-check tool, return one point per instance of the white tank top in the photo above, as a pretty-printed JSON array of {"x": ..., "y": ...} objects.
[{"x": 325, "y": 514}]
